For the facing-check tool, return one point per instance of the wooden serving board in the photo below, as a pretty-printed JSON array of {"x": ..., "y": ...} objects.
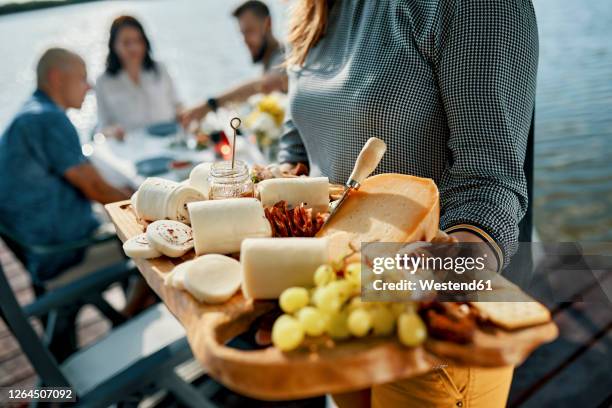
[{"x": 323, "y": 366}]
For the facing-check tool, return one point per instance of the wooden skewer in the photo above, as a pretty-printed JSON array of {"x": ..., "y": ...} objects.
[{"x": 235, "y": 124}]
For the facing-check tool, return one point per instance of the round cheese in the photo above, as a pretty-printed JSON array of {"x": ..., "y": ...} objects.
[
  {"x": 213, "y": 278},
  {"x": 178, "y": 275},
  {"x": 171, "y": 238},
  {"x": 139, "y": 247}
]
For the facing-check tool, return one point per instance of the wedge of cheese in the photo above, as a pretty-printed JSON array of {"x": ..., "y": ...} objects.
[{"x": 387, "y": 208}]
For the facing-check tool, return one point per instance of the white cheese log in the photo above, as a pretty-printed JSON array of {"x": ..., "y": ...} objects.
[
  {"x": 178, "y": 199},
  {"x": 219, "y": 226},
  {"x": 153, "y": 195},
  {"x": 213, "y": 278},
  {"x": 312, "y": 191},
  {"x": 271, "y": 265},
  {"x": 134, "y": 202},
  {"x": 171, "y": 238},
  {"x": 198, "y": 178},
  {"x": 138, "y": 247}
]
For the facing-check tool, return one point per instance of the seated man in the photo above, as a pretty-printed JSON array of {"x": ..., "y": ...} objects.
[
  {"x": 256, "y": 27},
  {"x": 47, "y": 184}
]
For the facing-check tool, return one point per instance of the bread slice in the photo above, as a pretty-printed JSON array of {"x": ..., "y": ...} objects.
[
  {"x": 387, "y": 208},
  {"x": 513, "y": 315}
]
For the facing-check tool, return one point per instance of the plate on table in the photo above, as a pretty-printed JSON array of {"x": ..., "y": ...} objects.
[
  {"x": 163, "y": 129},
  {"x": 154, "y": 166}
]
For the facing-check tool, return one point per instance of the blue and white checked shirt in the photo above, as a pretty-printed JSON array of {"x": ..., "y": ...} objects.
[{"x": 449, "y": 85}]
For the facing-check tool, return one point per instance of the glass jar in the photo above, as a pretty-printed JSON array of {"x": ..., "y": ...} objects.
[{"x": 228, "y": 182}]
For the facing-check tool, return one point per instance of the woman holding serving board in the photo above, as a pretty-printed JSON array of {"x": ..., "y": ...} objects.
[{"x": 449, "y": 86}]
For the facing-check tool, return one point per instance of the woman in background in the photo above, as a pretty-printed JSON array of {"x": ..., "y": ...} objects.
[{"x": 135, "y": 91}]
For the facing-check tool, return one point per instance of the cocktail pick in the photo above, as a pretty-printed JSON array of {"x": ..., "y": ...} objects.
[{"x": 235, "y": 124}]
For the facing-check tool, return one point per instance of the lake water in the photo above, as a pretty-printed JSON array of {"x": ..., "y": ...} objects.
[{"x": 200, "y": 44}]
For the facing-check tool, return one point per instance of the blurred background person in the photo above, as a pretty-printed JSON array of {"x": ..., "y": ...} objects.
[
  {"x": 255, "y": 25},
  {"x": 135, "y": 91},
  {"x": 51, "y": 184}
]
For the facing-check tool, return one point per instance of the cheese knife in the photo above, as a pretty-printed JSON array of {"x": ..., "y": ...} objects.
[{"x": 367, "y": 161}]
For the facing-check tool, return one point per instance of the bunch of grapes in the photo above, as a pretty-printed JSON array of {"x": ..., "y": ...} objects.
[{"x": 333, "y": 307}]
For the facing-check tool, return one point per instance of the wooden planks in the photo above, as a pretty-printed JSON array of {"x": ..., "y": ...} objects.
[{"x": 577, "y": 366}]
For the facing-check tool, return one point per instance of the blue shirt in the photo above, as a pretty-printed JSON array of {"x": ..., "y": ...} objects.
[{"x": 38, "y": 204}]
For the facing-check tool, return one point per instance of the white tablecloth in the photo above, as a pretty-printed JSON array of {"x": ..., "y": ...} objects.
[{"x": 116, "y": 160}]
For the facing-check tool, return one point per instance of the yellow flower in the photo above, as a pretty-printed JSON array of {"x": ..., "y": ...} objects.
[{"x": 269, "y": 104}]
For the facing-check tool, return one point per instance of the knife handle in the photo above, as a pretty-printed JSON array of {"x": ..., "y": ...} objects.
[{"x": 368, "y": 159}]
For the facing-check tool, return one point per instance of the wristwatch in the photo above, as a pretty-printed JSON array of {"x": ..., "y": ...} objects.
[{"x": 213, "y": 104}]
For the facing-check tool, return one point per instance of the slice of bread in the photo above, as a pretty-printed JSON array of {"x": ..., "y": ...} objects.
[
  {"x": 513, "y": 315},
  {"x": 387, "y": 208}
]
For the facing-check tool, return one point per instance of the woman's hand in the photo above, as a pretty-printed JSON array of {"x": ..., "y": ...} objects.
[
  {"x": 294, "y": 169},
  {"x": 466, "y": 236},
  {"x": 197, "y": 113}
]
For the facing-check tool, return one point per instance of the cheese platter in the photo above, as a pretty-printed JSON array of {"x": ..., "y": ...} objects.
[{"x": 335, "y": 357}]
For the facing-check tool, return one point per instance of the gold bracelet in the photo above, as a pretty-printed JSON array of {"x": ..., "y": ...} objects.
[{"x": 499, "y": 254}]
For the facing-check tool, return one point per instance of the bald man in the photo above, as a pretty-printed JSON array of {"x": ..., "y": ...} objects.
[{"x": 47, "y": 185}]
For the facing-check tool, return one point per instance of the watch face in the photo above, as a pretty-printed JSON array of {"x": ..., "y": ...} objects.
[{"x": 212, "y": 102}]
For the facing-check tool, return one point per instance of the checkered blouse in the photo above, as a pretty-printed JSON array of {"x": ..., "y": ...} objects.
[{"x": 449, "y": 85}]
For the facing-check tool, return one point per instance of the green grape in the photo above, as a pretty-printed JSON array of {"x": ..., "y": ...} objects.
[
  {"x": 398, "y": 308},
  {"x": 314, "y": 294},
  {"x": 352, "y": 272},
  {"x": 324, "y": 275},
  {"x": 328, "y": 299},
  {"x": 383, "y": 321},
  {"x": 337, "y": 326},
  {"x": 287, "y": 333},
  {"x": 411, "y": 330},
  {"x": 343, "y": 288},
  {"x": 359, "y": 322},
  {"x": 293, "y": 299},
  {"x": 356, "y": 303},
  {"x": 313, "y": 320},
  {"x": 355, "y": 288}
]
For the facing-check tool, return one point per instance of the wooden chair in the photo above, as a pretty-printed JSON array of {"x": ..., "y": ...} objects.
[
  {"x": 59, "y": 323},
  {"x": 134, "y": 359}
]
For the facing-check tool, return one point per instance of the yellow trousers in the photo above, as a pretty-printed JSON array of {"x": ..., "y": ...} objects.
[{"x": 451, "y": 386}]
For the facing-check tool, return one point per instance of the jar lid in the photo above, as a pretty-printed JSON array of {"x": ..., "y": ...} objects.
[{"x": 223, "y": 169}]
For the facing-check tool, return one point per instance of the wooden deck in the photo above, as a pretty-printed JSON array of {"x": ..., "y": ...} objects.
[
  {"x": 15, "y": 370},
  {"x": 575, "y": 370}
]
